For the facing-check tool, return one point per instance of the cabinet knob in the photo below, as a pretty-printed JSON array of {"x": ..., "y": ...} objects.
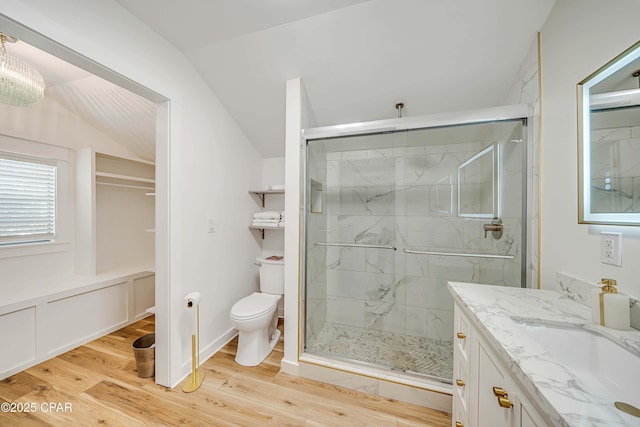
[
  {"x": 461, "y": 335},
  {"x": 460, "y": 383},
  {"x": 503, "y": 402},
  {"x": 459, "y": 424}
]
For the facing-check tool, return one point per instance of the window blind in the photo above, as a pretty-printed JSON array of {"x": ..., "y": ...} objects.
[{"x": 27, "y": 201}]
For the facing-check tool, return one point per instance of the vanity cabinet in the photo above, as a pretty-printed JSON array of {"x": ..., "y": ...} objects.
[{"x": 484, "y": 393}]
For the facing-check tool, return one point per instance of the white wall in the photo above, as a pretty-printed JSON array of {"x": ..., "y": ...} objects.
[
  {"x": 293, "y": 209},
  {"x": 578, "y": 37},
  {"x": 211, "y": 166},
  {"x": 47, "y": 129},
  {"x": 273, "y": 174}
]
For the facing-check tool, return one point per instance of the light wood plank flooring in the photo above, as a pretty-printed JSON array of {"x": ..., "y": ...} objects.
[{"x": 100, "y": 384}]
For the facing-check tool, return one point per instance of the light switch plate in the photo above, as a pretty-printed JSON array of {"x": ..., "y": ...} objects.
[
  {"x": 611, "y": 248},
  {"x": 211, "y": 226}
]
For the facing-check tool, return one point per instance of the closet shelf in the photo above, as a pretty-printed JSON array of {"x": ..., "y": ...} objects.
[
  {"x": 113, "y": 184},
  {"x": 106, "y": 177}
]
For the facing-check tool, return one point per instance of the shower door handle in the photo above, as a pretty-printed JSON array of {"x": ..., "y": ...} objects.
[
  {"x": 470, "y": 255},
  {"x": 356, "y": 245}
]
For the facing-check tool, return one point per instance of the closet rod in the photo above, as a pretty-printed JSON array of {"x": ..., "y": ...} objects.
[{"x": 139, "y": 187}]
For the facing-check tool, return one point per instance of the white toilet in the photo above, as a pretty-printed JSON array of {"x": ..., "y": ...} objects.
[{"x": 256, "y": 316}]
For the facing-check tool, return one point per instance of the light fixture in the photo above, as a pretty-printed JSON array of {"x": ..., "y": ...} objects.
[{"x": 20, "y": 84}]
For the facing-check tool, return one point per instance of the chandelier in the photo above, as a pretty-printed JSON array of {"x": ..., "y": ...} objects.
[{"x": 20, "y": 83}]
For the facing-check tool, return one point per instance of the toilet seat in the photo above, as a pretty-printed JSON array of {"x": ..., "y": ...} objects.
[{"x": 255, "y": 305}]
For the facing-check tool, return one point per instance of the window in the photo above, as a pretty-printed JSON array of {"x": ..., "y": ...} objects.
[{"x": 27, "y": 200}]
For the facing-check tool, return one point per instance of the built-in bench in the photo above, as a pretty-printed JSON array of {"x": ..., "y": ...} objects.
[{"x": 43, "y": 319}]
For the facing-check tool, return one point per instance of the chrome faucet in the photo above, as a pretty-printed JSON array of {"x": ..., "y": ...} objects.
[{"x": 495, "y": 227}]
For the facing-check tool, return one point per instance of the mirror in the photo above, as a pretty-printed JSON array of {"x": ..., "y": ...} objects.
[
  {"x": 477, "y": 181},
  {"x": 609, "y": 142}
]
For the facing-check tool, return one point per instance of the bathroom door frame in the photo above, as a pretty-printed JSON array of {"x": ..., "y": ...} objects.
[{"x": 167, "y": 352}]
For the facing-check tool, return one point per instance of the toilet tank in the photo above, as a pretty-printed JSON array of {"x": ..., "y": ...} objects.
[{"x": 271, "y": 275}]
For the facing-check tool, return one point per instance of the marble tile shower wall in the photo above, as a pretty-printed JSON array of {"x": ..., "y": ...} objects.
[
  {"x": 407, "y": 197},
  {"x": 616, "y": 177}
]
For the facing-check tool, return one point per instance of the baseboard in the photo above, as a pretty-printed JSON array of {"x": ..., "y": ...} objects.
[
  {"x": 207, "y": 352},
  {"x": 291, "y": 368}
]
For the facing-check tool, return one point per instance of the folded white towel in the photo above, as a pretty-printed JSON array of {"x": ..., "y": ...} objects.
[
  {"x": 265, "y": 223},
  {"x": 267, "y": 215},
  {"x": 277, "y": 187}
]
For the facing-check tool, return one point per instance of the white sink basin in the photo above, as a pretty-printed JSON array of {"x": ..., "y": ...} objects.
[{"x": 604, "y": 367}]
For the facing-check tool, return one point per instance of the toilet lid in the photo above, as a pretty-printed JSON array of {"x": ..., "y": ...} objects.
[{"x": 255, "y": 305}]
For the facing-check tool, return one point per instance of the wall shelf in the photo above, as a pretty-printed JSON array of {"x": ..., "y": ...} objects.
[
  {"x": 265, "y": 228},
  {"x": 262, "y": 194}
]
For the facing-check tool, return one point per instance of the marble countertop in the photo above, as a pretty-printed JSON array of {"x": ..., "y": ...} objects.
[{"x": 558, "y": 394}]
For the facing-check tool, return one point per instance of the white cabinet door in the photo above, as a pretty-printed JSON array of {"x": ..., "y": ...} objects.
[
  {"x": 461, "y": 396},
  {"x": 490, "y": 375},
  {"x": 476, "y": 371},
  {"x": 529, "y": 417}
]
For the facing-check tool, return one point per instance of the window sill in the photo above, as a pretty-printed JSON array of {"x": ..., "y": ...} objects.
[{"x": 28, "y": 249}]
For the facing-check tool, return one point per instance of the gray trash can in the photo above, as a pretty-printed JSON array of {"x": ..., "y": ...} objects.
[{"x": 144, "y": 349}]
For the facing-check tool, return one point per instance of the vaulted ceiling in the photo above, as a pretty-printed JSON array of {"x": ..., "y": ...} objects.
[
  {"x": 123, "y": 116},
  {"x": 356, "y": 59}
]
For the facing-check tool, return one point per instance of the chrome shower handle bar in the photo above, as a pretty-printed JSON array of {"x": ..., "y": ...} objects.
[
  {"x": 409, "y": 251},
  {"x": 356, "y": 245}
]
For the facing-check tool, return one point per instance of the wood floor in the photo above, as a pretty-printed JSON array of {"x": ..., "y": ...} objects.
[{"x": 97, "y": 385}]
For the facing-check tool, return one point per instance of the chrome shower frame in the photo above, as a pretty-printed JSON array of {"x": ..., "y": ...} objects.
[{"x": 492, "y": 114}]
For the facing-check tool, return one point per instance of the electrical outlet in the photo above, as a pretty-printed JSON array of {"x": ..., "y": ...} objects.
[
  {"x": 211, "y": 226},
  {"x": 611, "y": 248}
]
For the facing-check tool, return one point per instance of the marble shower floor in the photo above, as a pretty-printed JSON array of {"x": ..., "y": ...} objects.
[{"x": 404, "y": 352}]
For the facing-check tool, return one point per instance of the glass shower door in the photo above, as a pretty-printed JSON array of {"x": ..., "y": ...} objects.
[
  {"x": 350, "y": 239},
  {"x": 390, "y": 219}
]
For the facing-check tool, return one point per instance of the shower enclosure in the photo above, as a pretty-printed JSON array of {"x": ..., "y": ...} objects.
[{"x": 391, "y": 216}]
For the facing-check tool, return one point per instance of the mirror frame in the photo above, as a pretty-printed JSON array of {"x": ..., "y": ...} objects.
[{"x": 585, "y": 216}]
